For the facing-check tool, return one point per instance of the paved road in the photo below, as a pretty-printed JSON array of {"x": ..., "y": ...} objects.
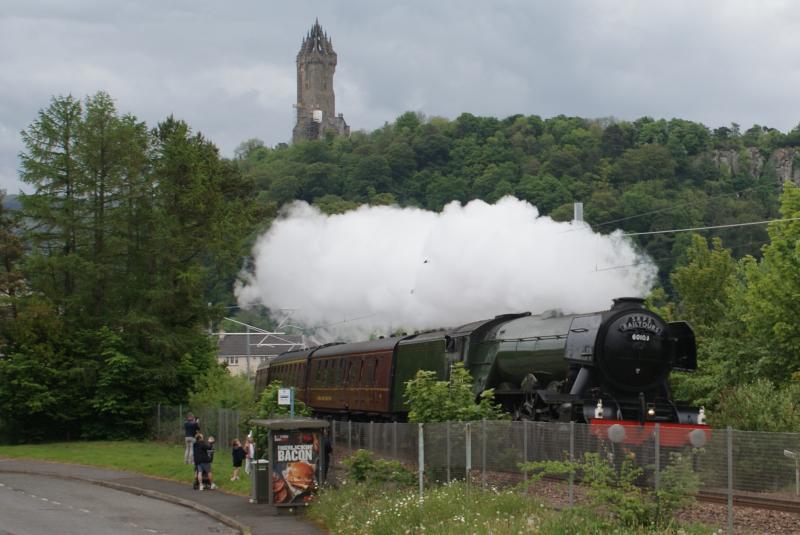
[{"x": 36, "y": 504}]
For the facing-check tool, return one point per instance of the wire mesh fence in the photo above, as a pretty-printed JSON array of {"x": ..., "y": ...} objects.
[
  {"x": 223, "y": 424},
  {"x": 489, "y": 453}
]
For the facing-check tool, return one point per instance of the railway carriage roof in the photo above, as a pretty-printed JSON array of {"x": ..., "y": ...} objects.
[
  {"x": 381, "y": 344},
  {"x": 291, "y": 356},
  {"x": 424, "y": 337},
  {"x": 469, "y": 328}
]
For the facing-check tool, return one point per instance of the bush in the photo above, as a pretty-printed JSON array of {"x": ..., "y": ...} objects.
[
  {"x": 219, "y": 389},
  {"x": 268, "y": 404},
  {"x": 362, "y": 467},
  {"x": 430, "y": 400},
  {"x": 613, "y": 489},
  {"x": 455, "y": 509},
  {"x": 759, "y": 406}
]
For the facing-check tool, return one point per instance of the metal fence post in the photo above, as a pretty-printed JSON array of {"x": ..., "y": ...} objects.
[
  {"x": 394, "y": 440},
  {"x": 657, "y": 476},
  {"x": 371, "y": 435},
  {"x": 421, "y": 460},
  {"x": 350, "y": 436},
  {"x": 525, "y": 448},
  {"x": 483, "y": 454},
  {"x": 468, "y": 449},
  {"x": 729, "y": 432},
  {"x": 447, "y": 435},
  {"x": 571, "y": 459}
]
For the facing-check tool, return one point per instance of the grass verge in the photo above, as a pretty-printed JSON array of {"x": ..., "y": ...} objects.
[
  {"x": 148, "y": 458},
  {"x": 455, "y": 509}
]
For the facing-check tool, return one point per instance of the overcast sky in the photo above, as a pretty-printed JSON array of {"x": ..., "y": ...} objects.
[{"x": 228, "y": 68}]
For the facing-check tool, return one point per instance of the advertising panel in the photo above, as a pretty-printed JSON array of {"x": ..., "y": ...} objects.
[{"x": 296, "y": 467}]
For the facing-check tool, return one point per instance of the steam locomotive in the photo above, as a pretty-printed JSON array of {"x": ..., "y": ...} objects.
[{"x": 601, "y": 368}]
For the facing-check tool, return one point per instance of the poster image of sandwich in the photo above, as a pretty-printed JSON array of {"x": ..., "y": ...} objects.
[{"x": 295, "y": 467}]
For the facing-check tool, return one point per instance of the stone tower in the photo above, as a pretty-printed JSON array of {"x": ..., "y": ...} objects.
[{"x": 316, "y": 103}]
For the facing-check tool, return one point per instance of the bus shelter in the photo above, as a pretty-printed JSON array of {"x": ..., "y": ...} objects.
[{"x": 297, "y": 451}]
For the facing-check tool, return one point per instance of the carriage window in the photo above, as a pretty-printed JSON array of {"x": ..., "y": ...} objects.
[
  {"x": 353, "y": 373},
  {"x": 375, "y": 373},
  {"x": 361, "y": 372},
  {"x": 369, "y": 375},
  {"x": 340, "y": 373}
]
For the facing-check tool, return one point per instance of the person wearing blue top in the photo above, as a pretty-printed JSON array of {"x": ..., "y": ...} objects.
[{"x": 190, "y": 428}]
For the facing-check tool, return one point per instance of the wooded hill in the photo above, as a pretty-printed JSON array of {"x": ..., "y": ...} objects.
[
  {"x": 110, "y": 265},
  {"x": 639, "y": 176}
]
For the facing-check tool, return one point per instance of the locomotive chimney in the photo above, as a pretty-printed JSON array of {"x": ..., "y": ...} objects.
[{"x": 621, "y": 303}]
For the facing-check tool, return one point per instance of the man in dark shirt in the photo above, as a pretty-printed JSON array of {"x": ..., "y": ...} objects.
[{"x": 190, "y": 428}]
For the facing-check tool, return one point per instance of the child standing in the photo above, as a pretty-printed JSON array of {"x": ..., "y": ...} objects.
[
  {"x": 238, "y": 454},
  {"x": 250, "y": 452}
]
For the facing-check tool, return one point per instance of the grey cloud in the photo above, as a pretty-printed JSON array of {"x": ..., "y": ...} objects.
[{"x": 228, "y": 68}]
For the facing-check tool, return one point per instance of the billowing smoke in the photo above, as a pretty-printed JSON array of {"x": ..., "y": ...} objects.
[{"x": 381, "y": 268}]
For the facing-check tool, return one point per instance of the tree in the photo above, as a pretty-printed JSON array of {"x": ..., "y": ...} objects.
[
  {"x": 217, "y": 388},
  {"x": 132, "y": 234},
  {"x": 648, "y": 162},
  {"x": 702, "y": 283},
  {"x": 430, "y": 400},
  {"x": 49, "y": 164},
  {"x": 544, "y": 191},
  {"x": 12, "y": 281},
  {"x": 773, "y": 294}
]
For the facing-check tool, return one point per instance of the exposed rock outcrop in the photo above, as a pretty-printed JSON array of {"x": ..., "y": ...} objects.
[{"x": 785, "y": 162}]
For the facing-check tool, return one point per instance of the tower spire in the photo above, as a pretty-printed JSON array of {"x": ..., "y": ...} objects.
[{"x": 316, "y": 107}]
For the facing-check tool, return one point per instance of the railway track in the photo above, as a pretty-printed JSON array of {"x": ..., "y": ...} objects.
[{"x": 750, "y": 500}]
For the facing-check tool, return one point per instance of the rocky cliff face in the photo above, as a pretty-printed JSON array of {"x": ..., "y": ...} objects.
[{"x": 784, "y": 162}]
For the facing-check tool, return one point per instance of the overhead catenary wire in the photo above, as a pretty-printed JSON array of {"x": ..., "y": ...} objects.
[
  {"x": 659, "y": 259},
  {"x": 680, "y": 205},
  {"x": 712, "y": 227}
]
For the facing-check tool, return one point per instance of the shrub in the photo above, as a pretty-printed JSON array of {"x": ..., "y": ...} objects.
[
  {"x": 362, "y": 467},
  {"x": 759, "y": 406},
  {"x": 613, "y": 489},
  {"x": 268, "y": 404},
  {"x": 430, "y": 400}
]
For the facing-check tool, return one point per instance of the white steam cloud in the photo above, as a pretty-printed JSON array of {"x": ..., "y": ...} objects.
[{"x": 380, "y": 268}]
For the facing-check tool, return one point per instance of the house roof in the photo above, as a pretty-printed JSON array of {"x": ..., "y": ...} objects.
[{"x": 261, "y": 345}]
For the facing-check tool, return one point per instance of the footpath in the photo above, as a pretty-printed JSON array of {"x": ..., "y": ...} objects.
[{"x": 232, "y": 510}]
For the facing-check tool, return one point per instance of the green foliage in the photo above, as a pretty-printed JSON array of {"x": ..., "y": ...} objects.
[
  {"x": 621, "y": 170},
  {"x": 362, "y": 467},
  {"x": 459, "y": 508},
  {"x": 430, "y": 400},
  {"x": 773, "y": 291},
  {"x": 218, "y": 388},
  {"x": 759, "y": 406},
  {"x": 268, "y": 407},
  {"x": 614, "y": 490},
  {"x": 703, "y": 283},
  {"x": 129, "y": 234}
]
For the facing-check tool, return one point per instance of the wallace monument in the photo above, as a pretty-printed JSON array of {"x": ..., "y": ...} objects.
[{"x": 316, "y": 103}]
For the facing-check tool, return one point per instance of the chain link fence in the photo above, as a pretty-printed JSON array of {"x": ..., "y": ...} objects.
[
  {"x": 727, "y": 463},
  {"x": 223, "y": 424},
  {"x": 732, "y": 466}
]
